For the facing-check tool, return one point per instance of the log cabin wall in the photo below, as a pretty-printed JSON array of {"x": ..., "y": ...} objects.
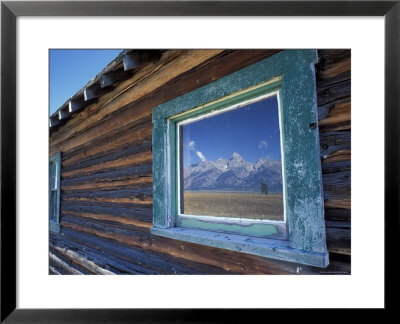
[{"x": 106, "y": 174}]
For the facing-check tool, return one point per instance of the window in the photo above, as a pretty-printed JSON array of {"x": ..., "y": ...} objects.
[
  {"x": 236, "y": 163},
  {"x": 54, "y": 192}
]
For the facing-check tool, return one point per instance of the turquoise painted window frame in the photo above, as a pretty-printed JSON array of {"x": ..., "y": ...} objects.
[
  {"x": 55, "y": 221},
  {"x": 304, "y": 207},
  {"x": 245, "y": 226}
]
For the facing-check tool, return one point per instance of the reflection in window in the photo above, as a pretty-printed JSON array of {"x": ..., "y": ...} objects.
[{"x": 231, "y": 163}]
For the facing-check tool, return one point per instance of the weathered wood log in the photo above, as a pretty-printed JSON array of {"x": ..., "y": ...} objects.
[
  {"x": 332, "y": 71},
  {"x": 113, "y": 184},
  {"x": 142, "y": 215},
  {"x": 331, "y": 57},
  {"x": 124, "y": 151},
  {"x": 335, "y": 167},
  {"x": 53, "y": 271},
  {"x": 82, "y": 260},
  {"x": 333, "y": 92},
  {"x": 337, "y": 214},
  {"x": 335, "y": 142},
  {"x": 337, "y": 189},
  {"x": 68, "y": 261},
  {"x": 137, "y": 133},
  {"x": 54, "y": 259},
  {"x": 140, "y": 158},
  {"x": 345, "y": 76},
  {"x": 334, "y": 113},
  {"x": 107, "y": 262},
  {"x": 128, "y": 93},
  {"x": 110, "y": 78},
  {"x": 120, "y": 174},
  {"x": 128, "y": 220},
  {"x": 338, "y": 240}
]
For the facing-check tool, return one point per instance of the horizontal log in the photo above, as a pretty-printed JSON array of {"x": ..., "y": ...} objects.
[
  {"x": 338, "y": 240},
  {"x": 140, "y": 193},
  {"x": 161, "y": 263},
  {"x": 337, "y": 202},
  {"x": 104, "y": 204},
  {"x": 337, "y": 189},
  {"x": 110, "y": 78},
  {"x": 338, "y": 156},
  {"x": 337, "y": 181},
  {"x": 107, "y": 262},
  {"x": 140, "y": 158},
  {"x": 333, "y": 70},
  {"x": 121, "y": 174},
  {"x": 337, "y": 214},
  {"x": 138, "y": 196},
  {"x": 333, "y": 92},
  {"x": 53, "y": 237},
  {"x": 345, "y": 76},
  {"x": 334, "y": 113},
  {"x": 329, "y": 57},
  {"x": 335, "y": 167},
  {"x": 123, "y": 152},
  {"x": 136, "y": 214},
  {"x": 53, "y": 271},
  {"x": 133, "y": 133},
  {"x": 129, "y": 200},
  {"x": 128, "y": 220},
  {"x": 117, "y": 184}
]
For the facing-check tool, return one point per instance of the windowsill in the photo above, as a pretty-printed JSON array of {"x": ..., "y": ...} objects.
[{"x": 269, "y": 248}]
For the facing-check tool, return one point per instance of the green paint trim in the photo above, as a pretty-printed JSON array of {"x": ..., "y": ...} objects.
[{"x": 261, "y": 230}]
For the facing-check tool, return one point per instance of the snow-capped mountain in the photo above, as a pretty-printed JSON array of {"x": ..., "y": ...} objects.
[{"x": 233, "y": 174}]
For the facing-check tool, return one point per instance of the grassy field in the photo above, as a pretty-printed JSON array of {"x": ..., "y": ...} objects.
[{"x": 234, "y": 204}]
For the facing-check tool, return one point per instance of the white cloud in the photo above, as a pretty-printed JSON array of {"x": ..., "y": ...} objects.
[
  {"x": 192, "y": 145},
  {"x": 262, "y": 144},
  {"x": 201, "y": 156}
]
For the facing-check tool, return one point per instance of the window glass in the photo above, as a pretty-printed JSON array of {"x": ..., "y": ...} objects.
[{"x": 231, "y": 164}]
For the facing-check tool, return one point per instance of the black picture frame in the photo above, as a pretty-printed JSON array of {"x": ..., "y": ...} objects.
[{"x": 10, "y": 10}]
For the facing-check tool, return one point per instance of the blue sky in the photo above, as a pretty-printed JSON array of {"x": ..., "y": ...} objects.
[
  {"x": 252, "y": 131},
  {"x": 71, "y": 69}
]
